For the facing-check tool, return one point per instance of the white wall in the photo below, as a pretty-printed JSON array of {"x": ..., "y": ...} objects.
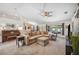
[
  {"x": 4, "y": 20},
  {"x": 75, "y": 26}
]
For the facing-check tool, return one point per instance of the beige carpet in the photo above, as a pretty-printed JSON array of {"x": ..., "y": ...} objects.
[{"x": 53, "y": 48}]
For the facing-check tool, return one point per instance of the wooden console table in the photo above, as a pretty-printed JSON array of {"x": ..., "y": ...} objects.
[{"x": 9, "y": 35}]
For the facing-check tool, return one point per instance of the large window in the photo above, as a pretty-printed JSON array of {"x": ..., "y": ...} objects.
[{"x": 56, "y": 28}]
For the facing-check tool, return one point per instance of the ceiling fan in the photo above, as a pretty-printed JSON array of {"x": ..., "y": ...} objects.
[{"x": 44, "y": 12}]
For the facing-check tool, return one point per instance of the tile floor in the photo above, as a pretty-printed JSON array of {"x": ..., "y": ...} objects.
[{"x": 53, "y": 48}]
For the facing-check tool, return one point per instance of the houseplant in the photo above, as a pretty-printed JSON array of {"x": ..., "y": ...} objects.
[{"x": 75, "y": 44}]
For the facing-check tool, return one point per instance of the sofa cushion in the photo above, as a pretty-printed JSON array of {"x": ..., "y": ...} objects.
[
  {"x": 34, "y": 37},
  {"x": 0, "y": 38}
]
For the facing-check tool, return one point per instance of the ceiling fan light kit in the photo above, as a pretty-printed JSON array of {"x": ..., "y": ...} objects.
[{"x": 46, "y": 13}]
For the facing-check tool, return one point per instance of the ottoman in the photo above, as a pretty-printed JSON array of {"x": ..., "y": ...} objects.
[{"x": 43, "y": 41}]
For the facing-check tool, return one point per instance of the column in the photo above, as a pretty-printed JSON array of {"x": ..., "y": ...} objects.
[{"x": 62, "y": 28}]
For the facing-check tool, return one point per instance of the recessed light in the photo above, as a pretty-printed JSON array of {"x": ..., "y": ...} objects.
[{"x": 66, "y": 12}]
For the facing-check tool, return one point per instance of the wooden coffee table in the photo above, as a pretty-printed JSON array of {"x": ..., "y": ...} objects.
[{"x": 43, "y": 41}]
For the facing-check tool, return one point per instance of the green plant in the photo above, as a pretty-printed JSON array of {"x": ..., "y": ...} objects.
[{"x": 75, "y": 44}]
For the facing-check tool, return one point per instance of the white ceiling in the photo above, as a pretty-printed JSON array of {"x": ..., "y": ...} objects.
[{"x": 32, "y": 11}]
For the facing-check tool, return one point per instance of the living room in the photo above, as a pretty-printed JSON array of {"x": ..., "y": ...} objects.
[{"x": 37, "y": 28}]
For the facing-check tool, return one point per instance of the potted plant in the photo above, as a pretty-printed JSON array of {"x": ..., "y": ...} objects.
[{"x": 75, "y": 44}]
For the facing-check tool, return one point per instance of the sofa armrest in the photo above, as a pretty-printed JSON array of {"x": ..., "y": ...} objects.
[{"x": 26, "y": 39}]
